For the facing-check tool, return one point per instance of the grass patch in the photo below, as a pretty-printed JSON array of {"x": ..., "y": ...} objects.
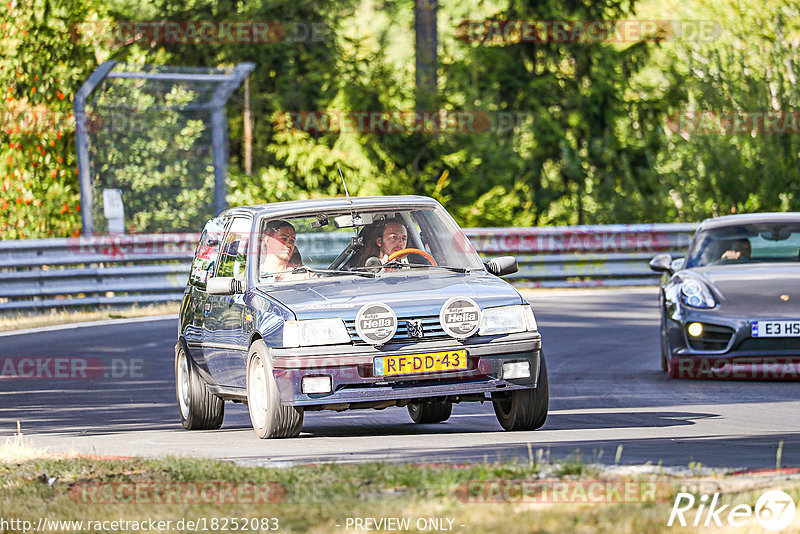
[
  {"x": 22, "y": 320},
  {"x": 574, "y": 465},
  {"x": 317, "y": 498},
  {"x": 18, "y": 449}
]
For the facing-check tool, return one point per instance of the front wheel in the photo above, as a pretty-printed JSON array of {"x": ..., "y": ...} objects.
[
  {"x": 199, "y": 409},
  {"x": 430, "y": 412},
  {"x": 270, "y": 418},
  {"x": 524, "y": 409}
]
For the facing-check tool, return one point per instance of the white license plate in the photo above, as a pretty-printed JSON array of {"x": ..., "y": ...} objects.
[{"x": 776, "y": 329}]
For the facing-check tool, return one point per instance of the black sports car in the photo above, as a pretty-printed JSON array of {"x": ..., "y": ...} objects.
[{"x": 731, "y": 308}]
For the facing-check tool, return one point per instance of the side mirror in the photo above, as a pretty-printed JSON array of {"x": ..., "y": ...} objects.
[
  {"x": 677, "y": 264},
  {"x": 662, "y": 263},
  {"x": 224, "y": 285},
  {"x": 502, "y": 265}
]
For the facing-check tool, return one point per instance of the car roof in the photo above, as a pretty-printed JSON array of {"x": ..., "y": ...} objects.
[
  {"x": 750, "y": 218},
  {"x": 318, "y": 204}
]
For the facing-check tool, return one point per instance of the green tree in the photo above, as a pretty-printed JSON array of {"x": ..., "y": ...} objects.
[{"x": 41, "y": 64}]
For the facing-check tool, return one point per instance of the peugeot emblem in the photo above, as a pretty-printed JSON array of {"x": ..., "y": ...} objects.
[{"x": 414, "y": 328}]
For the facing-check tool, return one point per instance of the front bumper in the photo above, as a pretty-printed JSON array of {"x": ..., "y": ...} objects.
[
  {"x": 351, "y": 371},
  {"x": 729, "y": 350}
]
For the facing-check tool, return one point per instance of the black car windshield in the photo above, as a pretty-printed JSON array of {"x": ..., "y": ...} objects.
[
  {"x": 363, "y": 243},
  {"x": 747, "y": 243}
]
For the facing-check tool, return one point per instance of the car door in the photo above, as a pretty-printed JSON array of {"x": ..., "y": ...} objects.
[
  {"x": 225, "y": 346},
  {"x": 198, "y": 304}
]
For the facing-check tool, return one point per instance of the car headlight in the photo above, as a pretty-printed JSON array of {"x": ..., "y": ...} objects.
[
  {"x": 507, "y": 320},
  {"x": 314, "y": 332},
  {"x": 694, "y": 293}
]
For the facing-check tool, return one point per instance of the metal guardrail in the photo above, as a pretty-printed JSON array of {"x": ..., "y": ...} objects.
[{"x": 121, "y": 269}]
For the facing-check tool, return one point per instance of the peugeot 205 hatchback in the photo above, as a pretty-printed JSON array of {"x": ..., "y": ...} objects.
[{"x": 349, "y": 303}]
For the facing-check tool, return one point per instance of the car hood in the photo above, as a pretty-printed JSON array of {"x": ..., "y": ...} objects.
[
  {"x": 755, "y": 289},
  {"x": 408, "y": 295}
]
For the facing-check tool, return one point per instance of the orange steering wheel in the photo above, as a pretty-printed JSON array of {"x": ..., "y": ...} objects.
[{"x": 407, "y": 251}]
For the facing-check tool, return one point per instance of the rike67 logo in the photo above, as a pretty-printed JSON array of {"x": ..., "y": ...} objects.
[{"x": 774, "y": 510}]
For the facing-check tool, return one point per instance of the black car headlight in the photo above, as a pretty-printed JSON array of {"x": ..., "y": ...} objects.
[{"x": 696, "y": 294}]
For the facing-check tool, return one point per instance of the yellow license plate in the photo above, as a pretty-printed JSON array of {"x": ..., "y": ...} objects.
[{"x": 429, "y": 362}]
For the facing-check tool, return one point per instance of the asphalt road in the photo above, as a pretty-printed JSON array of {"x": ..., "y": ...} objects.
[{"x": 115, "y": 396}]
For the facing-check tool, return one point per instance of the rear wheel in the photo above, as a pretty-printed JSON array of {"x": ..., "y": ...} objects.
[
  {"x": 270, "y": 418},
  {"x": 430, "y": 412},
  {"x": 524, "y": 409},
  {"x": 199, "y": 409}
]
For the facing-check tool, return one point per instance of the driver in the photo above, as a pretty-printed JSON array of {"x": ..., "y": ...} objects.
[
  {"x": 739, "y": 249},
  {"x": 393, "y": 238}
]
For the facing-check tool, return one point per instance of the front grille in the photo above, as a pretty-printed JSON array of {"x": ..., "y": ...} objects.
[
  {"x": 714, "y": 337},
  {"x": 770, "y": 343},
  {"x": 431, "y": 328}
]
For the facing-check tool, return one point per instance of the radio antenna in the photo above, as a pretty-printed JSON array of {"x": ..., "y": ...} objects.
[{"x": 346, "y": 192}]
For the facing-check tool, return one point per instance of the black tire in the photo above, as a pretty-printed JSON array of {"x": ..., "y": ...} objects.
[
  {"x": 430, "y": 412},
  {"x": 199, "y": 409},
  {"x": 269, "y": 417},
  {"x": 668, "y": 363},
  {"x": 524, "y": 409}
]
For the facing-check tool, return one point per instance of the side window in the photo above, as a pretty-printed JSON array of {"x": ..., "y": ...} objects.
[
  {"x": 205, "y": 257},
  {"x": 233, "y": 260}
]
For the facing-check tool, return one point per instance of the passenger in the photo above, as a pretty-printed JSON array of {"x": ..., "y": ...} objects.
[
  {"x": 739, "y": 250},
  {"x": 279, "y": 253}
]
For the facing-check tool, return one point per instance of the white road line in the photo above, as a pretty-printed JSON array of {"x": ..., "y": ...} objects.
[{"x": 106, "y": 322}]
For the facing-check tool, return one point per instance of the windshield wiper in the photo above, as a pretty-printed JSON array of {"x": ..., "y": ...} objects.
[
  {"x": 306, "y": 269},
  {"x": 395, "y": 264}
]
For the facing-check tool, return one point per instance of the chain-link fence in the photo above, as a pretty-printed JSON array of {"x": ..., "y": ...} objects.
[{"x": 158, "y": 135}]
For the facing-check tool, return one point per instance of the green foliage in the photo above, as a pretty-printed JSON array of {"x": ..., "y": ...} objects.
[
  {"x": 749, "y": 69},
  {"x": 559, "y": 132},
  {"x": 151, "y": 150},
  {"x": 41, "y": 66}
]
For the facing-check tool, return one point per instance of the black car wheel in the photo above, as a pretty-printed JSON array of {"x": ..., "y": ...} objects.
[
  {"x": 524, "y": 409},
  {"x": 270, "y": 418},
  {"x": 199, "y": 409},
  {"x": 430, "y": 412}
]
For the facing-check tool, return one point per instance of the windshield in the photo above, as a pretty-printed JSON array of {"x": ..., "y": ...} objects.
[
  {"x": 755, "y": 243},
  {"x": 363, "y": 243}
]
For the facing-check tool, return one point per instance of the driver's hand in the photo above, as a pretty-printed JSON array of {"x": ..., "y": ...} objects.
[{"x": 731, "y": 255}]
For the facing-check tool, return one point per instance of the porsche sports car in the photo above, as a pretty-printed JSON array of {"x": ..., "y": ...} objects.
[
  {"x": 347, "y": 303},
  {"x": 731, "y": 307}
]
